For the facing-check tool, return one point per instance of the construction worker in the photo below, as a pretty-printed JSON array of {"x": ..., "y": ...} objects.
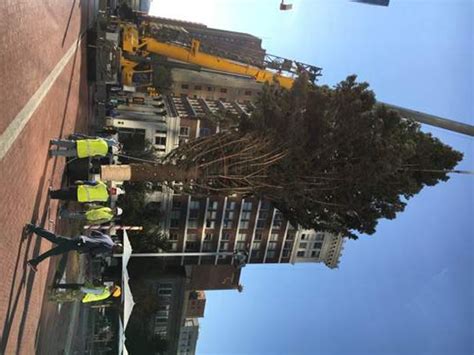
[
  {"x": 99, "y": 243},
  {"x": 93, "y": 215},
  {"x": 84, "y": 147},
  {"x": 84, "y": 191},
  {"x": 86, "y": 293}
]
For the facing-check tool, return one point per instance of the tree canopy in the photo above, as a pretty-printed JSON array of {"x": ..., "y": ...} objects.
[{"x": 331, "y": 159}]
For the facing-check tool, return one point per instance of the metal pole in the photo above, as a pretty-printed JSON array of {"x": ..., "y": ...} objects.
[
  {"x": 149, "y": 255},
  {"x": 432, "y": 120}
]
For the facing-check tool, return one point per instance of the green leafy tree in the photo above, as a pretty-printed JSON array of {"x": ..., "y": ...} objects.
[{"x": 327, "y": 158}]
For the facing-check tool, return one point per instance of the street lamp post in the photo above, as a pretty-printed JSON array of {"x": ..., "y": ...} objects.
[{"x": 239, "y": 256}]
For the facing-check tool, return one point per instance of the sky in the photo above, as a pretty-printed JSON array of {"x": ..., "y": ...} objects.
[{"x": 408, "y": 289}]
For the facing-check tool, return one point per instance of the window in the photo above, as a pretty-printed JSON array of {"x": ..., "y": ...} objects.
[
  {"x": 272, "y": 245},
  {"x": 286, "y": 253},
  {"x": 256, "y": 245},
  {"x": 173, "y": 236},
  {"x": 317, "y": 245},
  {"x": 274, "y": 236},
  {"x": 209, "y": 236},
  {"x": 224, "y": 246},
  {"x": 240, "y": 246},
  {"x": 184, "y": 86},
  {"x": 161, "y": 130},
  {"x": 256, "y": 253},
  {"x": 261, "y": 224},
  {"x": 210, "y": 224},
  {"x": 176, "y": 204},
  {"x": 213, "y": 205},
  {"x": 230, "y": 205},
  {"x": 265, "y": 206},
  {"x": 288, "y": 245},
  {"x": 197, "y": 87},
  {"x": 193, "y": 223},
  {"x": 165, "y": 291},
  {"x": 242, "y": 236},
  {"x": 244, "y": 225},
  {"x": 303, "y": 236},
  {"x": 248, "y": 93},
  {"x": 184, "y": 131},
  {"x": 194, "y": 205},
  {"x": 258, "y": 236},
  {"x": 319, "y": 236},
  {"x": 174, "y": 246},
  {"x": 228, "y": 224},
  {"x": 290, "y": 236},
  {"x": 192, "y": 237},
  {"x": 174, "y": 223},
  {"x": 175, "y": 214},
  {"x": 192, "y": 246},
  {"x": 208, "y": 246},
  {"x": 315, "y": 253},
  {"x": 223, "y": 90},
  {"x": 211, "y": 214},
  {"x": 247, "y": 206},
  {"x": 263, "y": 214},
  {"x": 300, "y": 253},
  {"x": 226, "y": 236},
  {"x": 303, "y": 245},
  {"x": 271, "y": 253},
  {"x": 245, "y": 215},
  {"x": 229, "y": 214},
  {"x": 160, "y": 140},
  {"x": 209, "y": 88}
]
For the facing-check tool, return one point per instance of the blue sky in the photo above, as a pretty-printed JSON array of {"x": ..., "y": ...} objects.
[{"x": 409, "y": 288}]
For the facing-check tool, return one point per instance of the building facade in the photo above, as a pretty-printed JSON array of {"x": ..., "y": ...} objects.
[{"x": 188, "y": 337}]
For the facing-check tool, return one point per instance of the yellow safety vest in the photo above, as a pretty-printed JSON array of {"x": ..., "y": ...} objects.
[
  {"x": 91, "y": 148},
  {"x": 99, "y": 214},
  {"x": 91, "y": 297},
  {"x": 88, "y": 193}
]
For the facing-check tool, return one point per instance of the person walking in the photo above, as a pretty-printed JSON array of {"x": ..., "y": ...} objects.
[
  {"x": 93, "y": 215},
  {"x": 99, "y": 243},
  {"x": 84, "y": 147},
  {"x": 83, "y": 191}
]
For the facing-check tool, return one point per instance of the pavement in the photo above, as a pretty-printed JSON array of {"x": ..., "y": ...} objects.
[{"x": 44, "y": 95}]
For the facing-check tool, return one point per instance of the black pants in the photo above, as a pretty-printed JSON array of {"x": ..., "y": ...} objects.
[
  {"x": 63, "y": 245},
  {"x": 69, "y": 194}
]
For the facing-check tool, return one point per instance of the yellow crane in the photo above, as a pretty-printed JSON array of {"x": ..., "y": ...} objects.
[{"x": 132, "y": 43}]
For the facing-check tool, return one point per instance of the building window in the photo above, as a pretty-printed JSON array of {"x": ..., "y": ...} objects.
[
  {"x": 209, "y": 88},
  {"x": 244, "y": 225},
  {"x": 300, "y": 253},
  {"x": 226, "y": 236},
  {"x": 248, "y": 93},
  {"x": 176, "y": 204},
  {"x": 319, "y": 236},
  {"x": 242, "y": 236},
  {"x": 184, "y": 86},
  {"x": 258, "y": 236},
  {"x": 228, "y": 224},
  {"x": 209, "y": 236},
  {"x": 229, "y": 215},
  {"x": 272, "y": 245},
  {"x": 204, "y": 132},
  {"x": 261, "y": 223},
  {"x": 245, "y": 215},
  {"x": 213, "y": 205},
  {"x": 223, "y": 90},
  {"x": 184, "y": 131},
  {"x": 193, "y": 223},
  {"x": 286, "y": 253},
  {"x": 271, "y": 253},
  {"x": 208, "y": 246},
  {"x": 288, "y": 244},
  {"x": 192, "y": 246},
  {"x": 160, "y": 140},
  {"x": 274, "y": 236},
  {"x": 303, "y": 245},
  {"x": 317, "y": 245},
  {"x": 211, "y": 214},
  {"x": 197, "y": 87},
  {"x": 230, "y": 205},
  {"x": 194, "y": 205},
  {"x": 173, "y": 236},
  {"x": 315, "y": 253},
  {"x": 247, "y": 206},
  {"x": 255, "y": 253},
  {"x": 240, "y": 246},
  {"x": 256, "y": 245},
  {"x": 224, "y": 246},
  {"x": 210, "y": 224}
]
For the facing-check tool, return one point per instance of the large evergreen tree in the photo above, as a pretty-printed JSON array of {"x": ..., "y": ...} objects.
[{"x": 328, "y": 158}]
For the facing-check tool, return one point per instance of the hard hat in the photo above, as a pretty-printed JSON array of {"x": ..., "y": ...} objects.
[
  {"x": 119, "y": 211},
  {"x": 117, "y": 291}
]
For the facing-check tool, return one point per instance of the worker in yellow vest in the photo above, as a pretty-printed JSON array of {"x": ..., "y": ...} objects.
[
  {"x": 87, "y": 293},
  {"x": 93, "y": 215},
  {"x": 85, "y": 147},
  {"x": 84, "y": 191}
]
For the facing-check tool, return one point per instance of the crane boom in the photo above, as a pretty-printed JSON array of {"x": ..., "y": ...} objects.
[{"x": 192, "y": 55}]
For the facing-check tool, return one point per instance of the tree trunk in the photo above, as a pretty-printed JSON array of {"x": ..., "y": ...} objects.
[{"x": 147, "y": 172}]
